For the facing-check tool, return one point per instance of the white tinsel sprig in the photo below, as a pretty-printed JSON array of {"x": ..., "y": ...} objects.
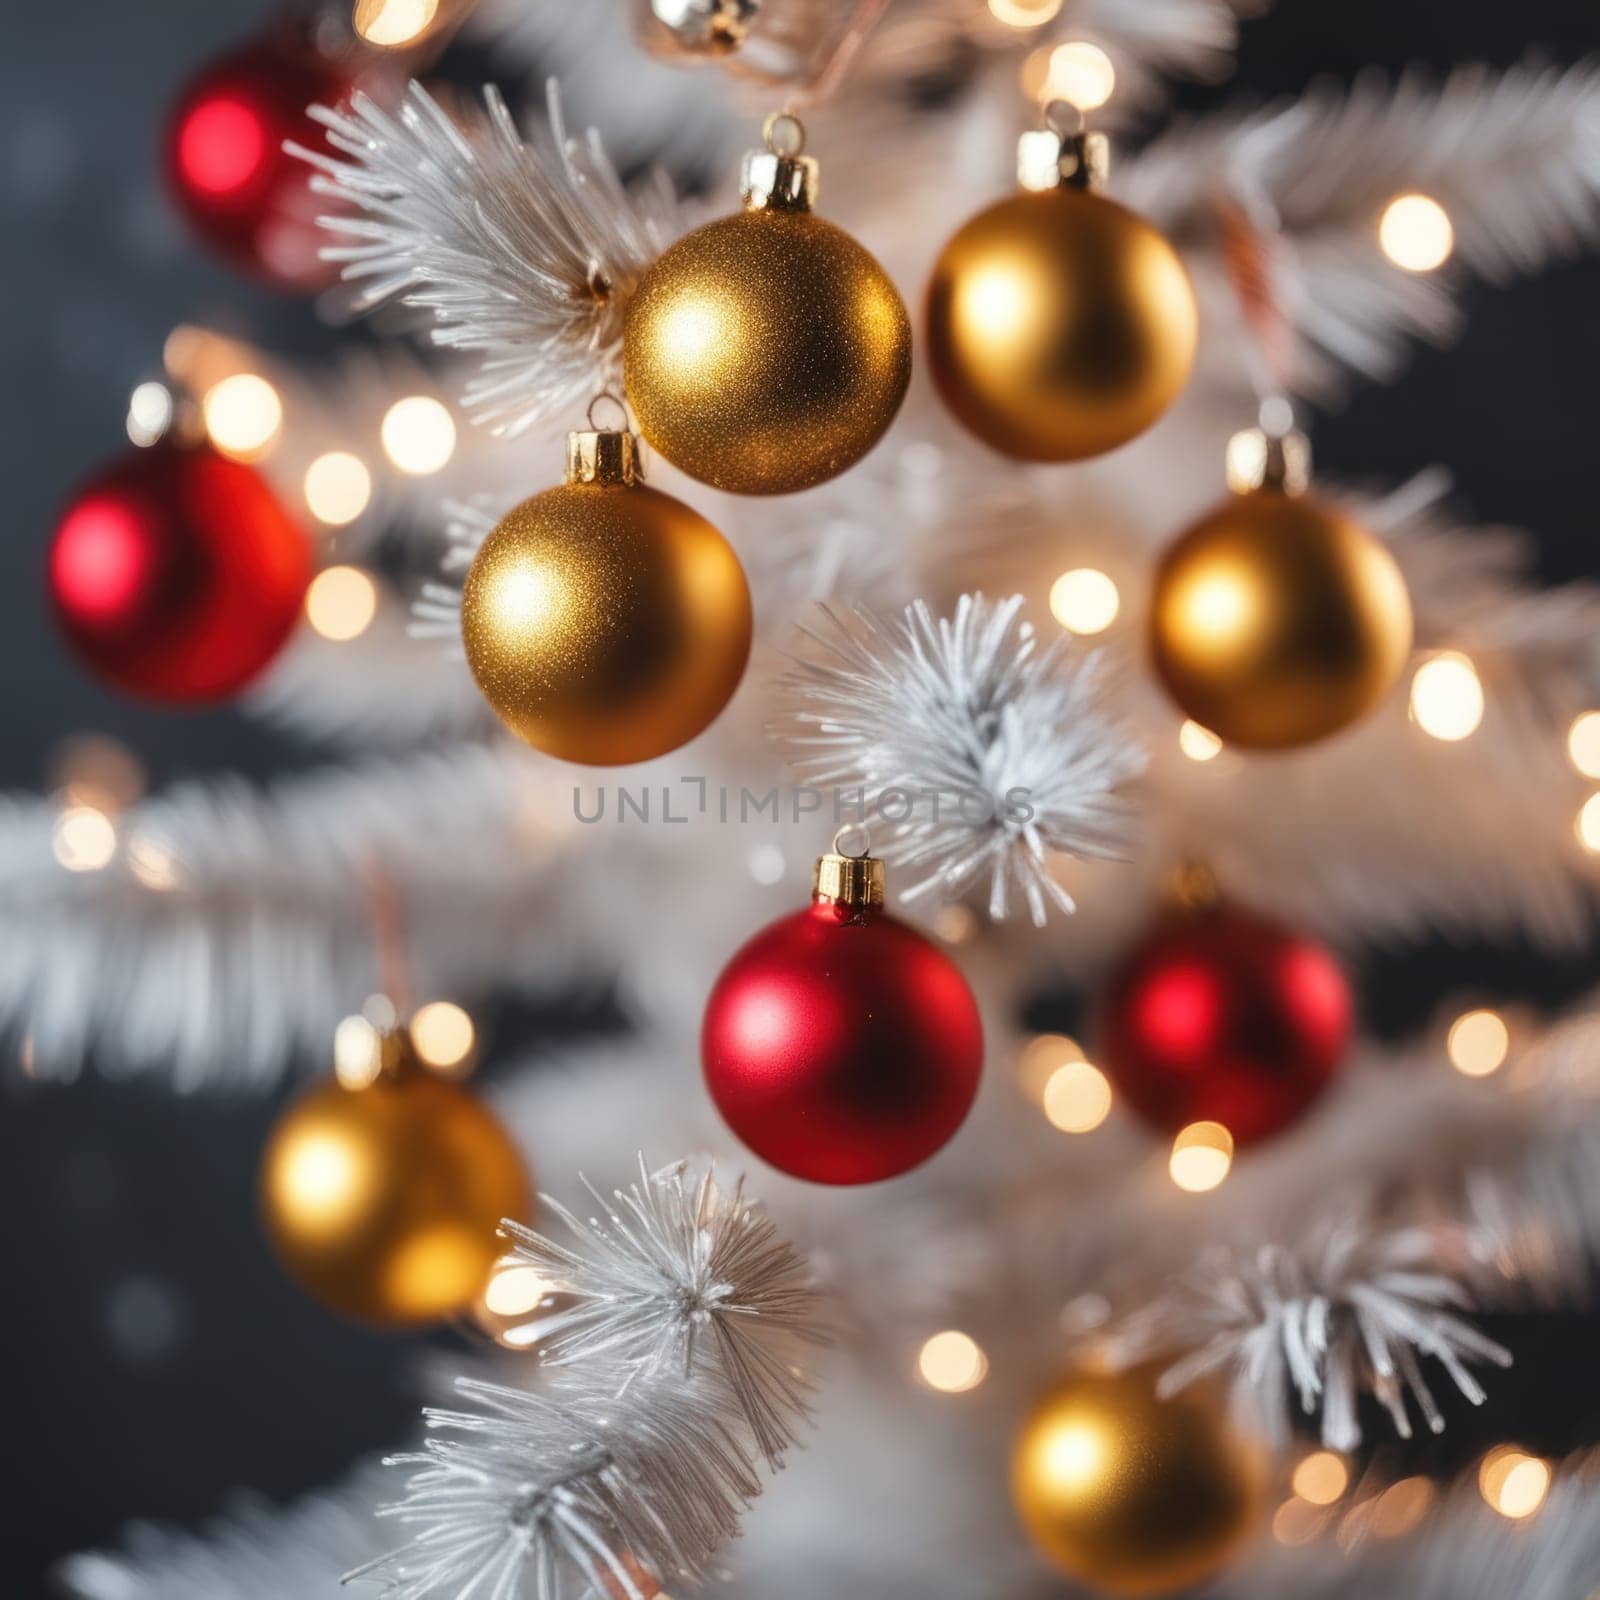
[
  {"x": 526, "y": 252},
  {"x": 569, "y": 1494},
  {"x": 1004, "y": 745},
  {"x": 678, "y": 1275},
  {"x": 1350, "y": 1312}
]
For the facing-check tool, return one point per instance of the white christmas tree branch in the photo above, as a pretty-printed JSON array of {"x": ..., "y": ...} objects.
[
  {"x": 1004, "y": 748},
  {"x": 1513, "y": 157},
  {"x": 1350, "y": 1311},
  {"x": 677, "y": 1276},
  {"x": 232, "y": 929},
  {"x": 525, "y": 253}
]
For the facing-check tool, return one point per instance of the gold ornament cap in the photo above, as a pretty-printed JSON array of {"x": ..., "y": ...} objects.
[
  {"x": 1048, "y": 158},
  {"x": 1274, "y": 458},
  {"x": 604, "y": 457},
  {"x": 780, "y": 176},
  {"x": 709, "y": 27},
  {"x": 856, "y": 881}
]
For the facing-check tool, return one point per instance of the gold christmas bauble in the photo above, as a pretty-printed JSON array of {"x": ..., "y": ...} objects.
[
  {"x": 605, "y": 622},
  {"x": 1060, "y": 325},
  {"x": 1277, "y": 620},
  {"x": 766, "y": 352},
  {"x": 383, "y": 1202},
  {"x": 1131, "y": 1494}
]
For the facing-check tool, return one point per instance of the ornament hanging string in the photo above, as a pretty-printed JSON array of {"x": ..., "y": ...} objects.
[
  {"x": 836, "y": 65},
  {"x": 389, "y": 938},
  {"x": 1252, "y": 254}
]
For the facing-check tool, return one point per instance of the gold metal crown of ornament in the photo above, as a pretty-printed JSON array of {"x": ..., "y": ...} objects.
[
  {"x": 1063, "y": 154},
  {"x": 842, "y": 879},
  {"x": 604, "y": 457},
  {"x": 780, "y": 176}
]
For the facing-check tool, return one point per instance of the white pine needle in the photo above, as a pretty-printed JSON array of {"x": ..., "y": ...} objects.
[
  {"x": 526, "y": 252},
  {"x": 1013, "y": 737},
  {"x": 1351, "y": 1312},
  {"x": 678, "y": 1275}
]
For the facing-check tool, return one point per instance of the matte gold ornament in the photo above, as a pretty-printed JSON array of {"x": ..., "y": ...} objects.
[
  {"x": 1060, "y": 324},
  {"x": 1277, "y": 619},
  {"x": 383, "y": 1202},
  {"x": 1133, "y": 1495},
  {"x": 605, "y": 622},
  {"x": 768, "y": 351}
]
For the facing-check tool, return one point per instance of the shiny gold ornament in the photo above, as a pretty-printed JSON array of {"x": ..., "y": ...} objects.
[
  {"x": 1278, "y": 619},
  {"x": 1131, "y": 1494},
  {"x": 768, "y": 351},
  {"x": 605, "y": 623},
  {"x": 1060, "y": 324},
  {"x": 383, "y": 1202}
]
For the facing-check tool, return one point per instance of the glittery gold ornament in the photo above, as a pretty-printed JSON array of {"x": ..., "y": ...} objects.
[
  {"x": 768, "y": 351},
  {"x": 1130, "y": 1494},
  {"x": 1277, "y": 619},
  {"x": 1060, "y": 324},
  {"x": 383, "y": 1202},
  {"x": 605, "y": 622}
]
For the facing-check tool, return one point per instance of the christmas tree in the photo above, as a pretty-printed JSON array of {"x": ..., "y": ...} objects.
[{"x": 1025, "y": 938}]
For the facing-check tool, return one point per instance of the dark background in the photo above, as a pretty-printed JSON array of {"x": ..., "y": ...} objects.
[{"x": 153, "y": 1356}]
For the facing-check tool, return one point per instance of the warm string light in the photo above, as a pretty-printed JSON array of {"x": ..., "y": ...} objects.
[
  {"x": 1401, "y": 1507},
  {"x": 149, "y": 413},
  {"x": 338, "y": 488},
  {"x": 1583, "y": 744},
  {"x": 1084, "y": 601},
  {"x": 1512, "y": 1482},
  {"x": 152, "y": 863},
  {"x": 443, "y": 1035},
  {"x": 1202, "y": 1153},
  {"x": 1199, "y": 744},
  {"x": 392, "y": 24},
  {"x": 1587, "y": 825},
  {"x": 84, "y": 839},
  {"x": 952, "y": 1362},
  {"x": 341, "y": 603},
  {"x": 1041, "y": 1058},
  {"x": 243, "y": 416},
  {"x": 418, "y": 434},
  {"x": 1478, "y": 1043},
  {"x": 1077, "y": 1097},
  {"x": 1077, "y": 72},
  {"x": 357, "y": 1053},
  {"x": 1024, "y": 13},
  {"x": 1415, "y": 233},
  {"x": 1447, "y": 697},
  {"x": 955, "y": 924}
]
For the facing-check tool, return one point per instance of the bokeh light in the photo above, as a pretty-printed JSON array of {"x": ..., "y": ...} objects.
[
  {"x": 243, "y": 416},
  {"x": 84, "y": 839},
  {"x": 357, "y": 1052},
  {"x": 1077, "y": 1097},
  {"x": 442, "y": 1034},
  {"x": 149, "y": 413},
  {"x": 1024, "y": 13},
  {"x": 1199, "y": 744},
  {"x": 1512, "y": 1482},
  {"x": 1202, "y": 1153},
  {"x": 1588, "y": 825},
  {"x": 952, "y": 1362},
  {"x": 1084, "y": 600},
  {"x": 1321, "y": 1478},
  {"x": 393, "y": 23},
  {"x": 1447, "y": 696},
  {"x": 419, "y": 435},
  {"x": 1081, "y": 74},
  {"x": 1478, "y": 1043},
  {"x": 341, "y": 603},
  {"x": 1415, "y": 233},
  {"x": 1583, "y": 744},
  {"x": 1041, "y": 1058},
  {"x": 338, "y": 488}
]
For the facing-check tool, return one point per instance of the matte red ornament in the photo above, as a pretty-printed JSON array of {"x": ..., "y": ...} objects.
[
  {"x": 242, "y": 193},
  {"x": 839, "y": 1044},
  {"x": 177, "y": 575},
  {"x": 1220, "y": 1015}
]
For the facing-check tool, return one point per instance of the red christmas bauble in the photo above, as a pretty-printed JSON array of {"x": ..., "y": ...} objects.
[
  {"x": 841, "y": 1045},
  {"x": 177, "y": 575},
  {"x": 1221, "y": 1015},
  {"x": 243, "y": 194}
]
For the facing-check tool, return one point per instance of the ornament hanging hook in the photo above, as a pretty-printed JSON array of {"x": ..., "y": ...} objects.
[
  {"x": 616, "y": 400},
  {"x": 784, "y": 134},
  {"x": 1065, "y": 118},
  {"x": 860, "y": 831}
]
